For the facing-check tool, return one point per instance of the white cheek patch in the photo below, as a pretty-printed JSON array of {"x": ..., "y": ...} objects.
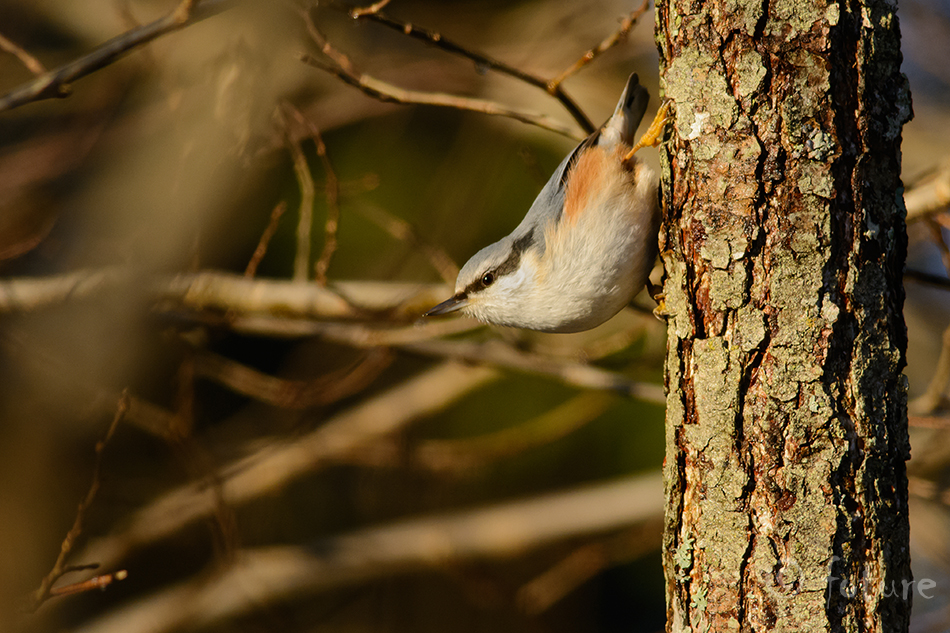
[{"x": 514, "y": 280}]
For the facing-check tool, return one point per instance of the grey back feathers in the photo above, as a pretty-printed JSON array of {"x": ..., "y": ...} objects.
[{"x": 504, "y": 256}]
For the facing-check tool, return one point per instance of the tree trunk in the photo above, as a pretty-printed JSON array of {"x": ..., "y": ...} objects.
[{"x": 784, "y": 242}]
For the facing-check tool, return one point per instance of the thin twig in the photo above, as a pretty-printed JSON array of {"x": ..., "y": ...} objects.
[
  {"x": 96, "y": 582},
  {"x": 481, "y": 60},
  {"x": 332, "y": 192},
  {"x": 43, "y": 593},
  {"x": 615, "y": 38},
  {"x": 266, "y": 237},
  {"x": 32, "y": 64},
  {"x": 392, "y": 94},
  {"x": 338, "y": 57},
  {"x": 373, "y": 8},
  {"x": 55, "y": 83}
]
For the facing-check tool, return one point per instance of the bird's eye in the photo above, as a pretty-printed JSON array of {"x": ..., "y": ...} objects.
[{"x": 488, "y": 279}]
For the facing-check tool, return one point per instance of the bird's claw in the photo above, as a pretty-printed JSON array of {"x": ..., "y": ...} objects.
[
  {"x": 659, "y": 296},
  {"x": 651, "y": 138}
]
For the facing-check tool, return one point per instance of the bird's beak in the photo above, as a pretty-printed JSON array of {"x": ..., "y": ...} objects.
[{"x": 457, "y": 302}]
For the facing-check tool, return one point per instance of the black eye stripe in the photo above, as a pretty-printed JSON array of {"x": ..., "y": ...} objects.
[{"x": 508, "y": 266}]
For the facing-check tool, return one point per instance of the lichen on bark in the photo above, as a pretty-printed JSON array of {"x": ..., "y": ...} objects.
[{"x": 783, "y": 243}]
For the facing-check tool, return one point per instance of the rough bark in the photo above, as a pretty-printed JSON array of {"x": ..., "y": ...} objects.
[{"x": 783, "y": 242}]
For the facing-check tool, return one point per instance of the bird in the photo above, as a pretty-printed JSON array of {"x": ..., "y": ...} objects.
[{"x": 588, "y": 242}]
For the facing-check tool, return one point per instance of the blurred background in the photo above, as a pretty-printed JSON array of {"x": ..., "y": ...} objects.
[{"x": 252, "y": 454}]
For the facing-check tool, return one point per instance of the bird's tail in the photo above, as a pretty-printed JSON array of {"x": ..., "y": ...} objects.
[{"x": 622, "y": 125}]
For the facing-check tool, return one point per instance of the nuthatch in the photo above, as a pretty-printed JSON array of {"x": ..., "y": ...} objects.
[{"x": 587, "y": 244}]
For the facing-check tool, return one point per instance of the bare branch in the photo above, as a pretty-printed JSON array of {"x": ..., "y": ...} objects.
[
  {"x": 481, "y": 60},
  {"x": 392, "y": 94},
  {"x": 32, "y": 64},
  {"x": 615, "y": 38},
  {"x": 55, "y": 83},
  {"x": 339, "y": 58},
  {"x": 267, "y": 575},
  {"x": 43, "y": 593}
]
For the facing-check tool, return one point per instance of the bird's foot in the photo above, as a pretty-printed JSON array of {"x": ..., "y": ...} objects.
[{"x": 651, "y": 138}]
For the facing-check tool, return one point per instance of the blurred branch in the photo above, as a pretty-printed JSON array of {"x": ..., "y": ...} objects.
[
  {"x": 931, "y": 399},
  {"x": 332, "y": 191},
  {"x": 421, "y": 340},
  {"x": 292, "y": 394},
  {"x": 930, "y": 195},
  {"x": 33, "y": 293},
  {"x": 936, "y": 234},
  {"x": 251, "y": 270},
  {"x": 615, "y": 38},
  {"x": 96, "y": 582},
  {"x": 270, "y": 468},
  {"x": 941, "y": 422},
  {"x": 307, "y": 195},
  {"x": 927, "y": 278},
  {"x": 142, "y": 414},
  {"x": 351, "y": 334},
  {"x": 268, "y": 575},
  {"x": 32, "y": 64},
  {"x": 467, "y": 453},
  {"x": 373, "y": 8},
  {"x": 227, "y": 292},
  {"x": 43, "y": 593},
  {"x": 391, "y": 94},
  {"x": 574, "y": 373},
  {"x": 402, "y": 230},
  {"x": 481, "y": 60},
  {"x": 55, "y": 83},
  {"x": 586, "y": 562}
]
